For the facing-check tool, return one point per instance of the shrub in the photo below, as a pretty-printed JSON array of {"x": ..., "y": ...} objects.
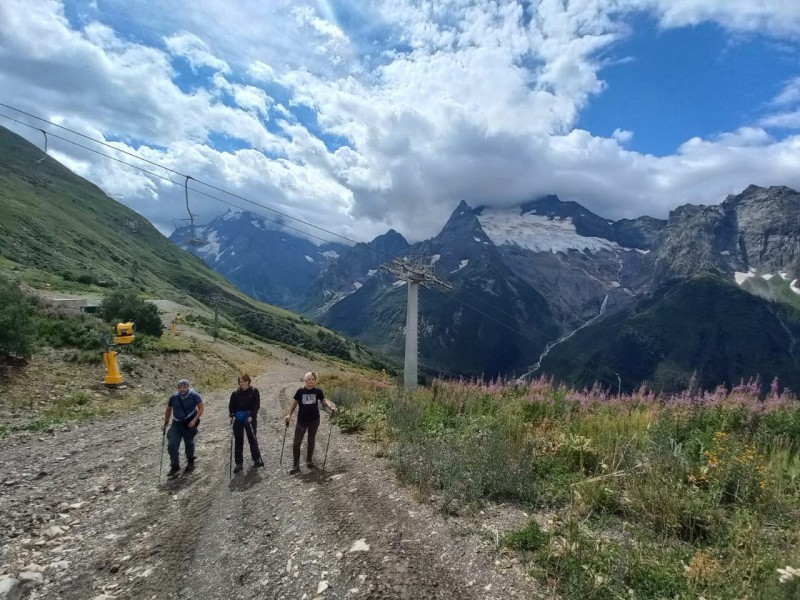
[
  {"x": 529, "y": 538},
  {"x": 350, "y": 421},
  {"x": 17, "y": 331},
  {"x": 125, "y": 305},
  {"x": 59, "y": 331}
]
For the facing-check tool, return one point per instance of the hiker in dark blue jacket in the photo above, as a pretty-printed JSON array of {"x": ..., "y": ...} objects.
[
  {"x": 243, "y": 408},
  {"x": 185, "y": 407}
]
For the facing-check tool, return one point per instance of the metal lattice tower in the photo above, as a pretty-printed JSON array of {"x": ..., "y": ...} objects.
[{"x": 415, "y": 273}]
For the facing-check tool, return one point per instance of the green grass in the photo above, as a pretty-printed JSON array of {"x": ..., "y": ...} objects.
[{"x": 76, "y": 407}]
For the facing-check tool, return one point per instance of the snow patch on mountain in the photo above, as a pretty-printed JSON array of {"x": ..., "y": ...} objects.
[
  {"x": 212, "y": 249},
  {"x": 461, "y": 265},
  {"x": 742, "y": 277},
  {"x": 538, "y": 233}
]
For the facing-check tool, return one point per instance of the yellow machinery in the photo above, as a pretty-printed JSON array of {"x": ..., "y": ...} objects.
[
  {"x": 175, "y": 322},
  {"x": 123, "y": 335}
]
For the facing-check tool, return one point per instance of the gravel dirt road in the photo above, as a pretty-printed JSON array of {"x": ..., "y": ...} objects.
[{"x": 83, "y": 514}]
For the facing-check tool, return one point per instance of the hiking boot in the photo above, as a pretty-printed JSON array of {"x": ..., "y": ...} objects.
[
  {"x": 310, "y": 464},
  {"x": 190, "y": 465},
  {"x": 258, "y": 462},
  {"x": 237, "y": 468},
  {"x": 173, "y": 470},
  {"x": 295, "y": 469}
]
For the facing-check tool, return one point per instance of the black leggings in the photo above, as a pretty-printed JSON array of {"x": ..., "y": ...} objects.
[
  {"x": 239, "y": 429},
  {"x": 299, "y": 432}
]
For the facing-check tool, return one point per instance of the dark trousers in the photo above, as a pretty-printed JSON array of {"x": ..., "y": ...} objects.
[
  {"x": 299, "y": 431},
  {"x": 239, "y": 429},
  {"x": 176, "y": 433}
]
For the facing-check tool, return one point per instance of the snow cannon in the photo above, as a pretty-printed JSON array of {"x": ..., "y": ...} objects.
[{"x": 123, "y": 335}]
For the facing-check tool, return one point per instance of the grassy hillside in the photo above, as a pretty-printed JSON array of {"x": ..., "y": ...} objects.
[{"x": 59, "y": 231}]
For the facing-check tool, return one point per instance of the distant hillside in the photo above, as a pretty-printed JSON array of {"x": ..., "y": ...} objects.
[{"x": 57, "y": 229}]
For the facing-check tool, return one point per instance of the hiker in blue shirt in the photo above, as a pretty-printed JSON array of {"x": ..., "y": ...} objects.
[
  {"x": 243, "y": 407},
  {"x": 185, "y": 407}
]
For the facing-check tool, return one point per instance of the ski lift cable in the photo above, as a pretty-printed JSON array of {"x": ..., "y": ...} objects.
[
  {"x": 211, "y": 196},
  {"x": 155, "y": 164},
  {"x": 377, "y": 251},
  {"x": 162, "y": 177},
  {"x": 172, "y": 181}
]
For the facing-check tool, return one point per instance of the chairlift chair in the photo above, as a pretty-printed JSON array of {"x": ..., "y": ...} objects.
[
  {"x": 38, "y": 178},
  {"x": 193, "y": 239}
]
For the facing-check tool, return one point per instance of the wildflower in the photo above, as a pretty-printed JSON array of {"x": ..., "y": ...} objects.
[{"x": 788, "y": 574}]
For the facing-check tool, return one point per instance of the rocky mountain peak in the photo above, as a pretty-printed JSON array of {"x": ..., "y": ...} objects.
[
  {"x": 463, "y": 222},
  {"x": 390, "y": 242},
  {"x": 756, "y": 230},
  {"x": 754, "y": 193}
]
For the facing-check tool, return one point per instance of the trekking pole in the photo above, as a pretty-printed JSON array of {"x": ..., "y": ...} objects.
[
  {"x": 161, "y": 466},
  {"x": 328, "y": 445},
  {"x": 230, "y": 458},
  {"x": 283, "y": 446}
]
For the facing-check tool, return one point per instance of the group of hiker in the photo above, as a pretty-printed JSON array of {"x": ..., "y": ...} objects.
[{"x": 185, "y": 407}]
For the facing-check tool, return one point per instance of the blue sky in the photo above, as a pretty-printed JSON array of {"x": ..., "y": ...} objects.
[
  {"x": 365, "y": 116},
  {"x": 671, "y": 85}
]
